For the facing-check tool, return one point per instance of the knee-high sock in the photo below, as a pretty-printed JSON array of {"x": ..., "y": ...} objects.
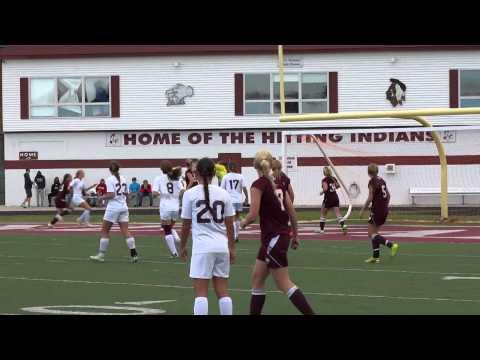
[
  {"x": 257, "y": 301},
  {"x": 225, "y": 305},
  {"x": 322, "y": 223},
  {"x": 299, "y": 300},
  {"x": 103, "y": 245},
  {"x": 236, "y": 228},
  {"x": 170, "y": 241},
  {"x": 131, "y": 245},
  {"x": 201, "y": 306},
  {"x": 85, "y": 217},
  {"x": 378, "y": 240},
  {"x": 175, "y": 236}
]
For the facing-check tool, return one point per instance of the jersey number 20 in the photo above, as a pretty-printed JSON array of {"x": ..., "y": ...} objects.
[{"x": 216, "y": 204}]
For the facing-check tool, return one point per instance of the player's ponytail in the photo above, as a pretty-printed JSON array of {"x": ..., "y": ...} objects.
[
  {"x": 263, "y": 164},
  {"x": 175, "y": 173},
  {"x": 327, "y": 171},
  {"x": 206, "y": 170},
  {"x": 65, "y": 178},
  {"x": 115, "y": 170}
]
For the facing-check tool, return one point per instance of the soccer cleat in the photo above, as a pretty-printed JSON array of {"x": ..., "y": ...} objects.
[
  {"x": 394, "y": 249},
  {"x": 372, "y": 260},
  {"x": 173, "y": 256},
  {"x": 98, "y": 257},
  {"x": 344, "y": 229},
  {"x": 50, "y": 225},
  {"x": 134, "y": 259}
]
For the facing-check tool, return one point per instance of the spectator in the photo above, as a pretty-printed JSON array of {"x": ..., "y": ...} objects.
[
  {"x": 145, "y": 191},
  {"x": 28, "y": 188},
  {"x": 101, "y": 190},
  {"x": 40, "y": 184},
  {"x": 134, "y": 192},
  {"x": 54, "y": 190}
]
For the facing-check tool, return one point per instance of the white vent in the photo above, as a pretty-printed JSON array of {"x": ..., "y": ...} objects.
[{"x": 390, "y": 169}]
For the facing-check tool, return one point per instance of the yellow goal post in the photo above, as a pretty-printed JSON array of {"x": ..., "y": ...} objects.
[{"x": 417, "y": 115}]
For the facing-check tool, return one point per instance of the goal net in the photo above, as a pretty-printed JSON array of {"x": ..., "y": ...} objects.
[{"x": 408, "y": 161}]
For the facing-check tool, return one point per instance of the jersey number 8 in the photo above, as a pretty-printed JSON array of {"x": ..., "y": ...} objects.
[{"x": 170, "y": 188}]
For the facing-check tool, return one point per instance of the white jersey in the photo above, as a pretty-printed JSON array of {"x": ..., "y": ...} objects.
[
  {"x": 234, "y": 183},
  {"x": 119, "y": 188},
  {"x": 209, "y": 233},
  {"x": 169, "y": 192},
  {"x": 77, "y": 185}
]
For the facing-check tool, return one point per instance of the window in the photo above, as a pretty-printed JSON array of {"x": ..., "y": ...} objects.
[
  {"x": 469, "y": 88},
  {"x": 304, "y": 93},
  {"x": 70, "y": 97}
]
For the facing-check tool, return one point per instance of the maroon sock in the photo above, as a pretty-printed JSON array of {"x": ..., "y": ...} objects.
[
  {"x": 256, "y": 302},
  {"x": 300, "y": 301}
]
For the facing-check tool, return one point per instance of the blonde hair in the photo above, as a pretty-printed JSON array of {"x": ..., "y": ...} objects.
[
  {"x": 276, "y": 167},
  {"x": 373, "y": 169},
  {"x": 263, "y": 164},
  {"x": 327, "y": 171}
]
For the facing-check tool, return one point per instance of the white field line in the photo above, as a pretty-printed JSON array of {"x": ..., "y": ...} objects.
[
  {"x": 461, "y": 278},
  {"x": 296, "y": 267},
  {"x": 87, "y": 282}
]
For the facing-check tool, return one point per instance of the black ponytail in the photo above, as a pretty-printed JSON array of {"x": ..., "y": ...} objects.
[
  {"x": 206, "y": 170},
  {"x": 114, "y": 169}
]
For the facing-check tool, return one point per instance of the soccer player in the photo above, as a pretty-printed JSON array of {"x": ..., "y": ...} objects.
[
  {"x": 330, "y": 200},
  {"x": 190, "y": 178},
  {"x": 379, "y": 197},
  {"x": 116, "y": 212},
  {"x": 234, "y": 184},
  {"x": 281, "y": 179},
  {"x": 275, "y": 209},
  {"x": 207, "y": 210},
  {"x": 60, "y": 201},
  {"x": 77, "y": 188},
  {"x": 170, "y": 188}
]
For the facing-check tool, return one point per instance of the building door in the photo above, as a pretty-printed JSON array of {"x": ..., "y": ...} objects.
[{"x": 231, "y": 157}]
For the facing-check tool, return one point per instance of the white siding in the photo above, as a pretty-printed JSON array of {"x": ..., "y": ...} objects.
[{"x": 363, "y": 79}]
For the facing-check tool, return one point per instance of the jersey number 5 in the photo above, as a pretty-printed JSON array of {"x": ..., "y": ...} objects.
[
  {"x": 119, "y": 187},
  {"x": 384, "y": 191},
  {"x": 216, "y": 204}
]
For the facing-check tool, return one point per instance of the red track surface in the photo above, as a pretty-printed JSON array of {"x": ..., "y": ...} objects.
[{"x": 400, "y": 233}]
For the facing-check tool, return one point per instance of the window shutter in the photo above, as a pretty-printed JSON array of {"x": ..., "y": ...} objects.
[
  {"x": 115, "y": 94},
  {"x": 24, "y": 113},
  {"x": 333, "y": 92},
  {"x": 238, "y": 94},
  {"x": 454, "y": 91}
]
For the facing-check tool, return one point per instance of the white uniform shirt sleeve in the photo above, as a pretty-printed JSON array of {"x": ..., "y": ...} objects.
[
  {"x": 186, "y": 206},
  {"x": 228, "y": 207},
  {"x": 111, "y": 186},
  {"x": 223, "y": 184},
  {"x": 156, "y": 184}
]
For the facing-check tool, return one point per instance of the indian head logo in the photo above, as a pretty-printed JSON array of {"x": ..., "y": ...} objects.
[
  {"x": 177, "y": 94},
  {"x": 396, "y": 92}
]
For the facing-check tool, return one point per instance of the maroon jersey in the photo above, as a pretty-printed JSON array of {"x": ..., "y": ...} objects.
[
  {"x": 273, "y": 215},
  {"x": 60, "y": 201},
  {"x": 381, "y": 195},
  {"x": 330, "y": 197},
  {"x": 282, "y": 182}
]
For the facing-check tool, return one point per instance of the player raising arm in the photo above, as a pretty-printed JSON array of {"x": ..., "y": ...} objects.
[
  {"x": 275, "y": 209},
  {"x": 379, "y": 197},
  {"x": 170, "y": 188},
  {"x": 77, "y": 188},
  {"x": 207, "y": 210},
  {"x": 116, "y": 212},
  {"x": 330, "y": 200},
  {"x": 234, "y": 184}
]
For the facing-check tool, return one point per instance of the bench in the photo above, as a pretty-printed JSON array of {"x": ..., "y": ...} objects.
[{"x": 429, "y": 191}]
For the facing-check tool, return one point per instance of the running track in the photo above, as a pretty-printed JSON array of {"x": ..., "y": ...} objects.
[{"x": 400, "y": 233}]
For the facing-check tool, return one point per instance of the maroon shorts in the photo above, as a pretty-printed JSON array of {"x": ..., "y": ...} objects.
[
  {"x": 330, "y": 203},
  {"x": 60, "y": 204},
  {"x": 275, "y": 252},
  {"x": 378, "y": 218}
]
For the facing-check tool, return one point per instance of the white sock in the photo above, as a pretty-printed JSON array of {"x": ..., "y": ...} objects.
[
  {"x": 291, "y": 291},
  {"x": 225, "y": 305},
  {"x": 104, "y": 245},
  {"x": 85, "y": 217},
  {"x": 131, "y": 243},
  {"x": 236, "y": 228},
  {"x": 175, "y": 236},
  {"x": 201, "y": 306},
  {"x": 170, "y": 241}
]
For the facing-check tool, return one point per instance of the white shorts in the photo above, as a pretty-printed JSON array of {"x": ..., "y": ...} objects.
[
  {"x": 116, "y": 216},
  {"x": 208, "y": 265},
  {"x": 238, "y": 207},
  {"x": 77, "y": 200},
  {"x": 168, "y": 215}
]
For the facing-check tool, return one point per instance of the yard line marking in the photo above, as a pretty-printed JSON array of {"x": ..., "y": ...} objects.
[
  {"x": 143, "y": 302},
  {"x": 87, "y": 282},
  {"x": 461, "y": 278}
]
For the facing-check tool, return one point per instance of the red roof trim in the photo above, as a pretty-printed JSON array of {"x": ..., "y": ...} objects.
[{"x": 78, "y": 51}]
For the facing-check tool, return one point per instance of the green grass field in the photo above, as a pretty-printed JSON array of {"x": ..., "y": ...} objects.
[{"x": 54, "y": 270}]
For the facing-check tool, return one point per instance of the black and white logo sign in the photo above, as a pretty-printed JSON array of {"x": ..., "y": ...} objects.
[{"x": 176, "y": 95}]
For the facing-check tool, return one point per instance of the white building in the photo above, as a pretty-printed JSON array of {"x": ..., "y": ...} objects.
[{"x": 74, "y": 107}]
